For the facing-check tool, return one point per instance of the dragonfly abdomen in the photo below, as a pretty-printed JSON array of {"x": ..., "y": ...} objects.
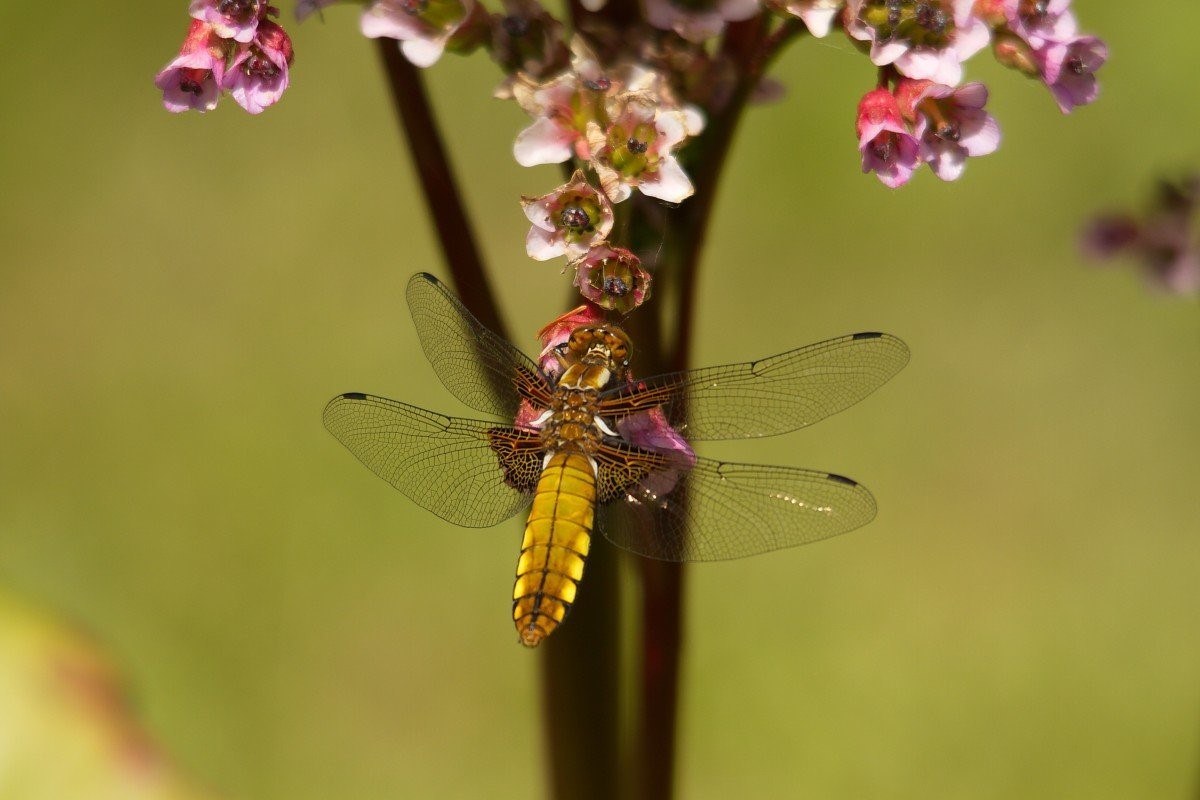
[{"x": 555, "y": 546}]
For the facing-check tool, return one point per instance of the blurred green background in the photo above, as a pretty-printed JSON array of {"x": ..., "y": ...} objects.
[{"x": 180, "y": 295}]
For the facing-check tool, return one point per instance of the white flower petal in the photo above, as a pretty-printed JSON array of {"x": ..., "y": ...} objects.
[
  {"x": 669, "y": 182},
  {"x": 543, "y": 142},
  {"x": 423, "y": 52},
  {"x": 541, "y": 245}
]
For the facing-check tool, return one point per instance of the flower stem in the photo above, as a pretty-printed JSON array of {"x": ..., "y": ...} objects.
[{"x": 442, "y": 196}]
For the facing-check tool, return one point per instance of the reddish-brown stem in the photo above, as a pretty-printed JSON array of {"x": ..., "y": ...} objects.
[{"x": 442, "y": 197}]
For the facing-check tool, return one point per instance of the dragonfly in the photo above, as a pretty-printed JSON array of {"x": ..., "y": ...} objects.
[{"x": 588, "y": 441}]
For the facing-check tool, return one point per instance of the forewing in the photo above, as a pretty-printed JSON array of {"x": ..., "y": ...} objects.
[
  {"x": 478, "y": 367},
  {"x": 722, "y": 510},
  {"x": 469, "y": 472},
  {"x": 769, "y": 396}
]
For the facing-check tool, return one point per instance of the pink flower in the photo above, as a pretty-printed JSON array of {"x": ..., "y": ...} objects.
[
  {"x": 192, "y": 80},
  {"x": 697, "y": 20},
  {"x": 924, "y": 39},
  {"x": 231, "y": 19},
  {"x": 567, "y": 221},
  {"x": 950, "y": 123},
  {"x": 637, "y": 148},
  {"x": 259, "y": 75},
  {"x": 612, "y": 278},
  {"x": 423, "y": 27},
  {"x": 887, "y": 148},
  {"x": 817, "y": 15},
  {"x": 561, "y": 107},
  {"x": 650, "y": 430},
  {"x": 556, "y": 333},
  {"x": 1069, "y": 70},
  {"x": 1040, "y": 21}
]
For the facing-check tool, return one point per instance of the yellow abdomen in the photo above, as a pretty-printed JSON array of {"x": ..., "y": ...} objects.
[{"x": 556, "y": 542}]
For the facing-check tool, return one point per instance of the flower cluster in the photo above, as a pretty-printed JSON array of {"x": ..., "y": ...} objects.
[
  {"x": 625, "y": 93},
  {"x": 230, "y": 46},
  {"x": 1166, "y": 240},
  {"x": 920, "y": 47}
]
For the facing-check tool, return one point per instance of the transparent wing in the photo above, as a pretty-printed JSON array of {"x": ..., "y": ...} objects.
[
  {"x": 722, "y": 510},
  {"x": 477, "y": 366},
  {"x": 769, "y": 396},
  {"x": 469, "y": 472}
]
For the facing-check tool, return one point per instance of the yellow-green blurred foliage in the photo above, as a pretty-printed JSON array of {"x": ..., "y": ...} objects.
[{"x": 179, "y": 296}]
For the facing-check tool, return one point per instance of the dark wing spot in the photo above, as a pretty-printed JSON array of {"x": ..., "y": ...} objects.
[
  {"x": 868, "y": 335},
  {"x": 354, "y": 396},
  {"x": 842, "y": 479}
]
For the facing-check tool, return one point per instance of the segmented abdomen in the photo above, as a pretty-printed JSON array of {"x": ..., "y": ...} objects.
[{"x": 556, "y": 542}]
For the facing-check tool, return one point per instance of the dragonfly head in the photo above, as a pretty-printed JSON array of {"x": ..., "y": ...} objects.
[{"x": 600, "y": 346}]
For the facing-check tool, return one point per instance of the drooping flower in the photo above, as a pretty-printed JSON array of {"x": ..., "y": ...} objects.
[
  {"x": 568, "y": 221},
  {"x": 697, "y": 20},
  {"x": 231, "y": 19},
  {"x": 887, "y": 148},
  {"x": 612, "y": 278},
  {"x": 527, "y": 39},
  {"x": 817, "y": 15},
  {"x": 1166, "y": 240},
  {"x": 1040, "y": 21},
  {"x": 423, "y": 27},
  {"x": 259, "y": 75},
  {"x": 192, "y": 80},
  {"x": 1069, "y": 70},
  {"x": 636, "y": 149},
  {"x": 650, "y": 430},
  {"x": 950, "y": 123},
  {"x": 922, "y": 38},
  {"x": 561, "y": 109}
]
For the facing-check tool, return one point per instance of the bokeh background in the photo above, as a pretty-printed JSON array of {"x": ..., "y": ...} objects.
[{"x": 180, "y": 295}]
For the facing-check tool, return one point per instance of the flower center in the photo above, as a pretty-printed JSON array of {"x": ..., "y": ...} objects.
[
  {"x": 515, "y": 25},
  {"x": 574, "y": 218},
  {"x": 191, "y": 80},
  {"x": 259, "y": 66},
  {"x": 922, "y": 22},
  {"x": 238, "y": 10},
  {"x": 883, "y": 145}
]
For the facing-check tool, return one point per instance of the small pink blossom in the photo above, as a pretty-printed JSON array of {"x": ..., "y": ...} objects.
[
  {"x": 637, "y": 149},
  {"x": 231, "y": 19},
  {"x": 259, "y": 75},
  {"x": 1041, "y": 21},
  {"x": 950, "y": 123},
  {"x": 1069, "y": 70},
  {"x": 423, "y": 27},
  {"x": 887, "y": 148},
  {"x": 561, "y": 109},
  {"x": 923, "y": 39},
  {"x": 650, "y": 430},
  {"x": 567, "y": 221},
  {"x": 697, "y": 20},
  {"x": 192, "y": 81},
  {"x": 612, "y": 278},
  {"x": 556, "y": 333},
  {"x": 817, "y": 15}
]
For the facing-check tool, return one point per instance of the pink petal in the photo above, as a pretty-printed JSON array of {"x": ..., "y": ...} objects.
[
  {"x": 818, "y": 20},
  {"x": 423, "y": 52},
  {"x": 669, "y": 182},
  {"x": 543, "y": 245},
  {"x": 543, "y": 142}
]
